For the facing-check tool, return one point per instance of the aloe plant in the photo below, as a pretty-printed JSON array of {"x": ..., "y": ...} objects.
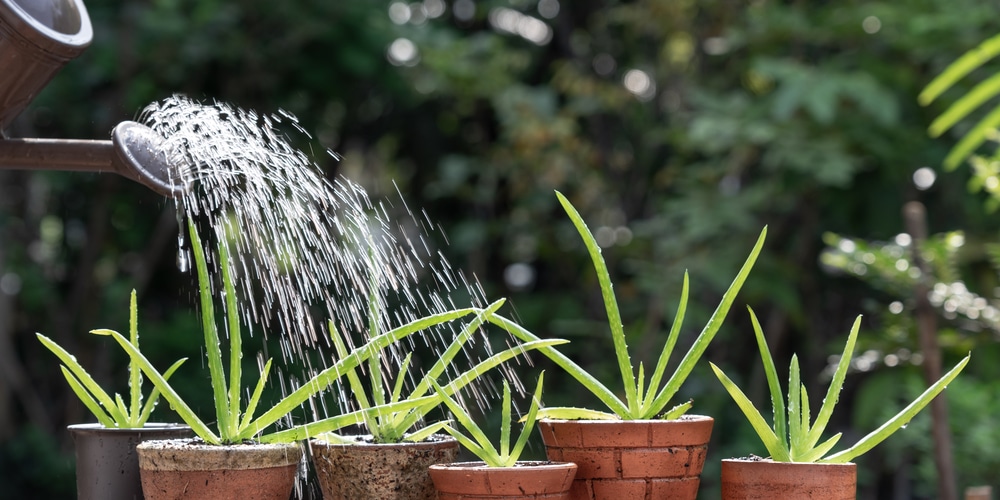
[
  {"x": 111, "y": 412},
  {"x": 235, "y": 423},
  {"x": 794, "y": 437},
  {"x": 643, "y": 399},
  {"x": 478, "y": 443},
  {"x": 394, "y": 426}
]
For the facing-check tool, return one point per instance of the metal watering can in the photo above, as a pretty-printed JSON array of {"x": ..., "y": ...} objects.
[{"x": 37, "y": 38}]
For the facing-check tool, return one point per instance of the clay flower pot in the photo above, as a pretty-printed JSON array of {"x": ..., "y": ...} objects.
[
  {"x": 106, "y": 462},
  {"x": 365, "y": 470},
  {"x": 765, "y": 479},
  {"x": 635, "y": 459},
  {"x": 477, "y": 481},
  {"x": 192, "y": 469}
]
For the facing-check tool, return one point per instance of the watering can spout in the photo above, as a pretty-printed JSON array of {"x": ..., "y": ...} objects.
[
  {"x": 37, "y": 38},
  {"x": 134, "y": 151}
]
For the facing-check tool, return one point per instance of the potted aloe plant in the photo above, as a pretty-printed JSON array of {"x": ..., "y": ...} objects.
[
  {"x": 238, "y": 459},
  {"x": 800, "y": 465},
  {"x": 106, "y": 463},
  {"x": 391, "y": 461},
  {"x": 639, "y": 447},
  {"x": 500, "y": 474}
]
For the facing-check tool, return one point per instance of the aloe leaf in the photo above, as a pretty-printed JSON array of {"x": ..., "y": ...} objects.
[
  {"x": 610, "y": 304},
  {"x": 797, "y": 437},
  {"x": 154, "y": 395},
  {"x": 485, "y": 450},
  {"x": 900, "y": 420},
  {"x": 767, "y": 437},
  {"x": 213, "y": 350},
  {"x": 454, "y": 348},
  {"x": 836, "y": 384},
  {"x": 134, "y": 374},
  {"x": 691, "y": 358},
  {"x": 529, "y": 421},
  {"x": 120, "y": 404},
  {"x": 167, "y": 392},
  {"x": 576, "y": 371},
  {"x": 571, "y": 413},
  {"x": 357, "y": 387},
  {"x": 773, "y": 384},
  {"x": 817, "y": 453},
  {"x": 505, "y": 418},
  {"x": 676, "y": 412},
  {"x": 333, "y": 424},
  {"x": 959, "y": 69},
  {"x": 255, "y": 398},
  {"x": 328, "y": 376},
  {"x": 88, "y": 382},
  {"x": 668, "y": 347},
  {"x": 426, "y": 432},
  {"x": 486, "y": 454},
  {"x": 81, "y": 392},
  {"x": 397, "y": 390},
  {"x": 457, "y": 383},
  {"x": 235, "y": 340}
]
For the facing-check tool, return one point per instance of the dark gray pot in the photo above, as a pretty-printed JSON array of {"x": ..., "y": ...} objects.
[{"x": 107, "y": 467}]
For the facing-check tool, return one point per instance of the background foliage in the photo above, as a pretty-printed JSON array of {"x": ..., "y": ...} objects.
[{"x": 677, "y": 128}]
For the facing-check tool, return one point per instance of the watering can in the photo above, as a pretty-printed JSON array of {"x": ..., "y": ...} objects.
[{"x": 37, "y": 38}]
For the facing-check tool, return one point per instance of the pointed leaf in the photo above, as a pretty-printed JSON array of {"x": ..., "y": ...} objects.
[
  {"x": 836, "y": 384},
  {"x": 764, "y": 432},
  {"x": 668, "y": 348},
  {"x": 773, "y": 384}
]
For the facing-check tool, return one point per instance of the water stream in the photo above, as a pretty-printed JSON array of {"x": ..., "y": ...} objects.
[{"x": 306, "y": 249}]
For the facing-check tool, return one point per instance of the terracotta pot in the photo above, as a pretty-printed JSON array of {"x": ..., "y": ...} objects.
[
  {"x": 187, "y": 468},
  {"x": 766, "y": 479},
  {"x": 107, "y": 466},
  {"x": 365, "y": 470},
  {"x": 638, "y": 459},
  {"x": 476, "y": 481}
]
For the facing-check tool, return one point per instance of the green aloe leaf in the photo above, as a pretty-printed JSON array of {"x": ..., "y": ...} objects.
[
  {"x": 610, "y": 304},
  {"x": 774, "y": 445},
  {"x": 836, "y": 385},
  {"x": 900, "y": 420},
  {"x": 773, "y": 384}
]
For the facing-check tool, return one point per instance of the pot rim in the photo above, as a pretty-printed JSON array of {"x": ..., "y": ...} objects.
[
  {"x": 521, "y": 464},
  {"x": 686, "y": 418},
  {"x": 149, "y": 426},
  {"x": 193, "y": 454},
  {"x": 441, "y": 439},
  {"x": 768, "y": 461}
]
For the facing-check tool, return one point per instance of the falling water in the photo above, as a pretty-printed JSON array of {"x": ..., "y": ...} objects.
[{"x": 304, "y": 249}]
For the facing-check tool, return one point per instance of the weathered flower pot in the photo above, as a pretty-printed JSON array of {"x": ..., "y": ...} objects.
[
  {"x": 751, "y": 479},
  {"x": 365, "y": 470},
  {"x": 526, "y": 480},
  {"x": 192, "y": 469},
  {"x": 637, "y": 459},
  {"x": 107, "y": 466}
]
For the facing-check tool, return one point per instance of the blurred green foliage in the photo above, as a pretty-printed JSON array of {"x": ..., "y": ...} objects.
[{"x": 799, "y": 115}]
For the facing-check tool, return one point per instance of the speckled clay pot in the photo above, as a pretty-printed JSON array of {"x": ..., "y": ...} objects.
[
  {"x": 186, "y": 468},
  {"x": 637, "y": 459},
  {"x": 367, "y": 471},
  {"x": 526, "y": 480},
  {"x": 765, "y": 479},
  {"x": 107, "y": 466}
]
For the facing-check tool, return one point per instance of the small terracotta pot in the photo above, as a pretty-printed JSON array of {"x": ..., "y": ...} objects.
[
  {"x": 364, "y": 470},
  {"x": 107, "y": 465},
  {"x": 527, "y": 480},
  {"x": 187, "y": 468},
  {"x": 766, "y": 479},
  {"x": 637, "y": 459}
]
